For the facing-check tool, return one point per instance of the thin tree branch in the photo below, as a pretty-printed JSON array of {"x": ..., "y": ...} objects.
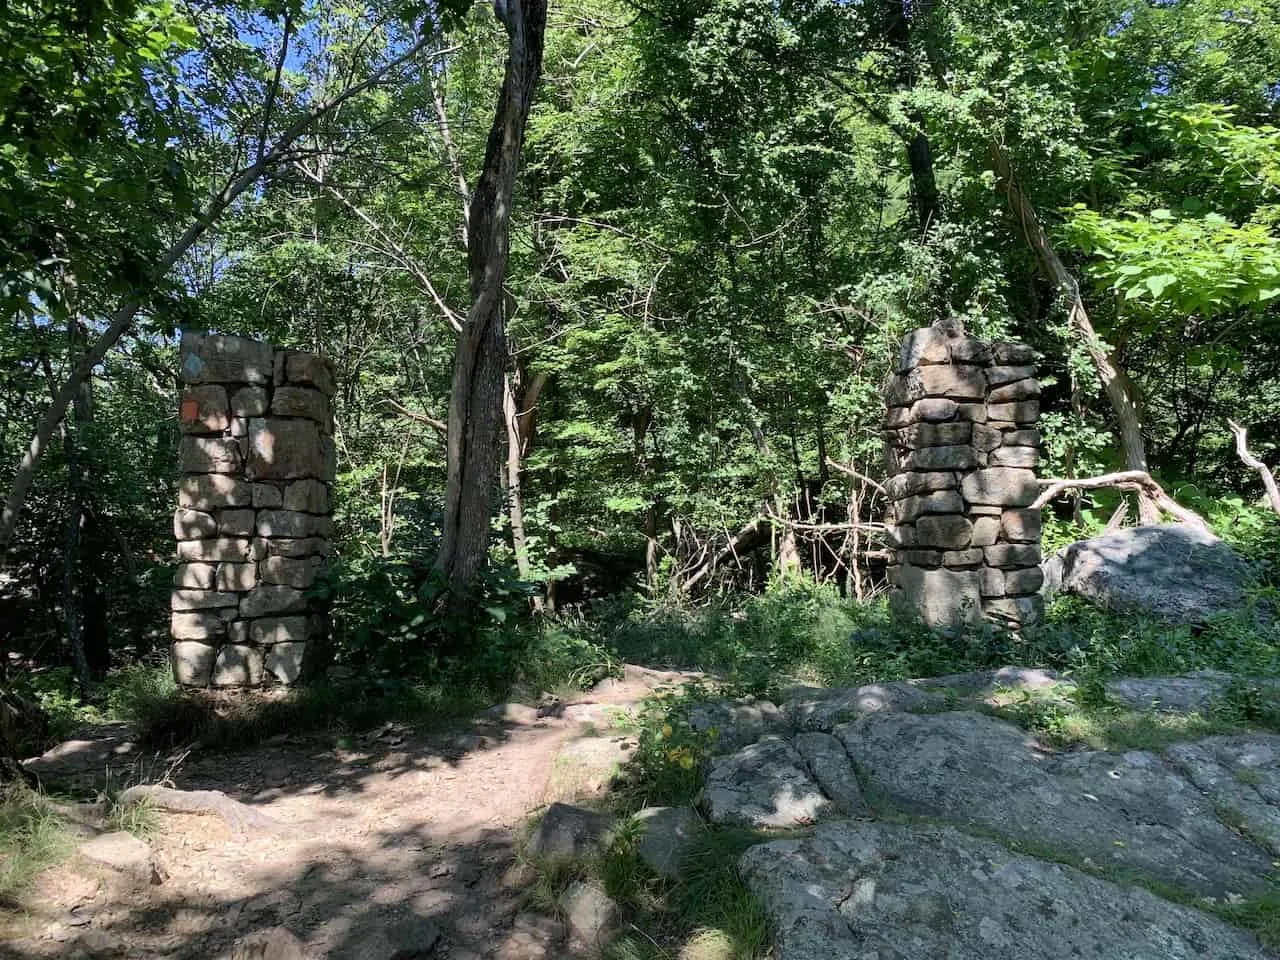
[
  {"x": 438, "y": 425},
  {"x": 850, "y": 472},
  {"x": 406, "y": 259},
  {"x": 1249, "y": 460},
  {"x": 274, "y": 90}
]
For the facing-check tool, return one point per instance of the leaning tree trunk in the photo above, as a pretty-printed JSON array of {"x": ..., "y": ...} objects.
[
  {"x": 475, "y": 400},
  {"x": 1115, "y": 384}
]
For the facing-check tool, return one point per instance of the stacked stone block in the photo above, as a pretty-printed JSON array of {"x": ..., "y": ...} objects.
[
  {"x": 254, "y": 518},
  {"x": 962, "y": 447}
]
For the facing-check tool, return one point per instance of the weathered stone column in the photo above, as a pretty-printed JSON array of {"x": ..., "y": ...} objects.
[
  {"x": 962, "y": 446},
  {"x": 254, "y": 517}
]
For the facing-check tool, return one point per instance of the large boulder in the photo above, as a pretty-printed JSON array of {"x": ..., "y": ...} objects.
[
  {"x": 1177, "y": 572},
  {"x": 1130, "y": 812},
  {"x": 921, "y": 892},
  {"x": 86, "y": 766}
]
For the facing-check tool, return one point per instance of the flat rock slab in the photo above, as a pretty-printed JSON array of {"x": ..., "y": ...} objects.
[
  {"x": 765, "y": 784},
  {"x": 567, "y": 831},
  {"x": 984, "y": 684},
  {"x": 822, "y": 708},
  {"x": 1128, "y": 812},
  {"x": 1175, "y": 572},
  {"x": 586, "y": 766},
  {"x": 1189, "y": 693},
  {"x": 87, "y": 765},
  {"x": 1241, "y": 775},
  {"x": 122, "y": 853},
  {"x": 870, "y": 890}
]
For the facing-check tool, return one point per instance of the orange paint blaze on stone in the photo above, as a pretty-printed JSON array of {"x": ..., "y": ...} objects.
[{"x": 190, "y": 412}]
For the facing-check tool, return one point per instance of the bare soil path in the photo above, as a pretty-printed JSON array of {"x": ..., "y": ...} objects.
[{"x": 393, "y": 845}]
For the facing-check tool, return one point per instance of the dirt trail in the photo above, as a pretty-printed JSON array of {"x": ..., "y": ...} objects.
[{"x": 396, "y": 842}]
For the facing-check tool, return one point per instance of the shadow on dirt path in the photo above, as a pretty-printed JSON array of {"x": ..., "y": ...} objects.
[{"x": 391, "y": 845}]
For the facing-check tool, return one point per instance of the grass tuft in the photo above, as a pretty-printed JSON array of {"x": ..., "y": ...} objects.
[{"x": 32, "y": 838}]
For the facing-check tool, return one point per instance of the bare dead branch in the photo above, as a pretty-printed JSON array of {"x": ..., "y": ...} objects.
[
  {"x": 1137, "y": 480},
  {"x": 1249, "y": 460},
  {"x": 437, "y": 425},
  {"x": 1117, "y": 518},
  {"x": 744, "y": 536},
  {"x": 850, "y": 472}
]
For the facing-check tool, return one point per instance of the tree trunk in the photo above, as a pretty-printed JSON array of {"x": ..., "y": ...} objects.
[
  {"x": 1115, "y": 384},
  {"x": 924, "y": 185},
  {"x": 72, "y": 594},
  {"x": 475, "y": 399}
]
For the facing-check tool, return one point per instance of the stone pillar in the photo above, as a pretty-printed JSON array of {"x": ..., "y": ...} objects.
[
  {"x": 254, "y": 517},
  {"x": 962, "y": 447}
]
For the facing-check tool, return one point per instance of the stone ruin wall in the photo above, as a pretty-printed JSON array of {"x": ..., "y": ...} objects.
[
  {"x": 962, "y": 447},
  {"x": 254, "y": 517}
]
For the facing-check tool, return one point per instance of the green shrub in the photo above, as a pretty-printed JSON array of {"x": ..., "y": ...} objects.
[
  {"x": 138, "y": 692},
  {"x": 666, "y": 767}
]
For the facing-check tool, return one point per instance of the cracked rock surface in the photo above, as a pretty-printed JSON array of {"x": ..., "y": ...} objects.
[
  {"x": 876, "y": 890},
  {"x": 989, "y": 844}
]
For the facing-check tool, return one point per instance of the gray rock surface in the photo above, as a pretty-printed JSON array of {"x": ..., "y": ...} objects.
[
  {"x": 737, "y": 723},
  {"x": 890, "y": 892},
  {"x": 399, "y": 934},
  {"x": 1241, "y": 775},
  {"x": 1190, "y": 693},
  {"x": 1176, "y": 572},
  {"x": 666, "y": 834},
  {"x": 830, "y": 766},
  {"x": 516, "y": 713},
  {"x": 765, "y": 784},
  {"x": 275, "y": 943},
  {"x": 567, "y": 831},
  {"x": 984, "y": 684},
  {"x": 86, "y": 765},
  {"x": 122, "y": 853},
  {"x": 822, "y": 708},
  {"x": 590, "y": 915},
  {"x": 1128, "y": 811}
]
